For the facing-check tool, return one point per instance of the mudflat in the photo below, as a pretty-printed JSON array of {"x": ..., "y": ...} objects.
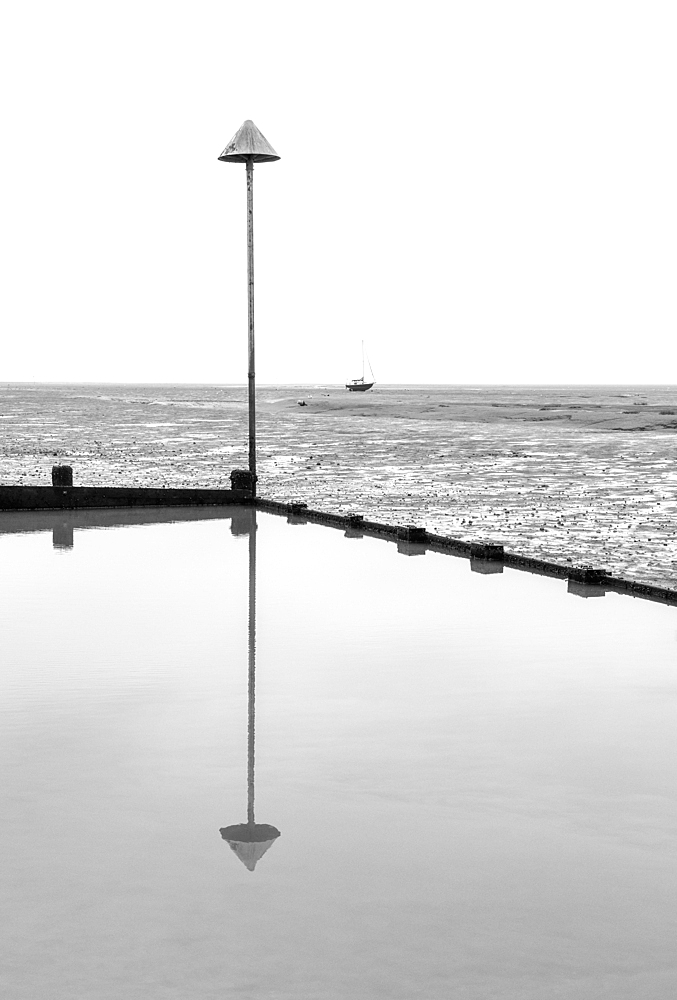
[{"x": 585, "y": 474}]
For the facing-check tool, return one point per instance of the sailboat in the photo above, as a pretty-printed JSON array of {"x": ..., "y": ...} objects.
[{"x": 360, "y": 384}]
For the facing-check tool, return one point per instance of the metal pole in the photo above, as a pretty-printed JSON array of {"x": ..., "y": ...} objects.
[
  {"x": 252, "y": 672},
  {"x": 250, "y": 287}
]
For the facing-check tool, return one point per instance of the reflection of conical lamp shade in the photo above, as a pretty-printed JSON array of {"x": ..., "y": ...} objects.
[{"x": 250, "y": 840}]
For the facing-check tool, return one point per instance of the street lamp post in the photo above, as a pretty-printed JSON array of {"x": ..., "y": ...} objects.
[{"x": 248, "y": 146}]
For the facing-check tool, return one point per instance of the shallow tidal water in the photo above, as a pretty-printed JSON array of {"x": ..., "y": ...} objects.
[{"x": 473, "y": 776}]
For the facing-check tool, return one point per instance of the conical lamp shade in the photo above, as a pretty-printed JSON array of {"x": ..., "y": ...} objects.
[{"x": 248, "y": 142}]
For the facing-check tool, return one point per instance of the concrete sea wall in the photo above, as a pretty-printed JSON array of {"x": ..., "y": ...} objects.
[{"x": 88, "y": 497}]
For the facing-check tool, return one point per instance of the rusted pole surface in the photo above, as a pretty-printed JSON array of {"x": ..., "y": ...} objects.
[
  {"x": 250, "y": 299},
  {"x": 251, "y": 691}
]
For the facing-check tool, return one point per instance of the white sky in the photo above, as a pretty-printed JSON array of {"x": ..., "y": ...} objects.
[{"x": 483, "y": 191}]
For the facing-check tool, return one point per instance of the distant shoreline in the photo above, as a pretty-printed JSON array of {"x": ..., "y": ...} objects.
[{"x": 381, "y": 385}]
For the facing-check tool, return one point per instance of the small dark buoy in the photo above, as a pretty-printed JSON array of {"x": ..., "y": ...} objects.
[
  {"x": 487, "y": 551},
  {"x": 302, "y": 402}
]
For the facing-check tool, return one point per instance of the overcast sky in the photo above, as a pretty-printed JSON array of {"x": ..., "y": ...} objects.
[{"x": 482, "y": 191}]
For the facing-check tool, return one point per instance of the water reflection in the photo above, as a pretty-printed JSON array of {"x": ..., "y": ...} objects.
[
  {"x": 250, "y": 840},
  {"x": 586, "y": 589},
  {"x": 485, "y": 566},
  {"x": 62, "y": 536},
  {"x": 537, "y": 731},
  {"x": 62, "y": 523},
  {"x": 410, "y": 548}
]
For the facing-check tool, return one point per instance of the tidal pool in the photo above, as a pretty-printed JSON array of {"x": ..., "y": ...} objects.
[{"x": 473, "y": 776}]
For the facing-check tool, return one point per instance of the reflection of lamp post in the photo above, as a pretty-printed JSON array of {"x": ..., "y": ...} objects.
[
  {"x": 250, "y": 840},
  {"x": 249, "y": 146}
]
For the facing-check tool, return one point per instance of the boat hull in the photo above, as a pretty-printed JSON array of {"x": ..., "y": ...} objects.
[{"x": 360, "y": 387}]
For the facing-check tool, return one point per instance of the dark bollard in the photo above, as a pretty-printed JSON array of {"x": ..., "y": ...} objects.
[
  {"x": 297, "y": 513},
  {"x": 355, "y": 524},
  {"x": 62, "y": 475},
  {"x": 487, "y": 551},
  {"x": 410, "y": 533},
  {"x": 588, "y": 574},
  {"x": 243, "y": 481},
  {"x": 297, "y": 508}
]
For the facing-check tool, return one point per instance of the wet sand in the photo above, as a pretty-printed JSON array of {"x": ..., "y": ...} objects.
[{"x": 584, "y": 474}]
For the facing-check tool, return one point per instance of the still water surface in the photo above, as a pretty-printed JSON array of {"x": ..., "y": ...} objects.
[{"x": 473, "y": 776}]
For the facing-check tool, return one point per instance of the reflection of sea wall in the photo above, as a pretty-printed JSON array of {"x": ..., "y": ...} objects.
[
  {"x": 539, "y": 469},
  {"x": 63, "y": 523},
  {"x": 13, "y": 521}
]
